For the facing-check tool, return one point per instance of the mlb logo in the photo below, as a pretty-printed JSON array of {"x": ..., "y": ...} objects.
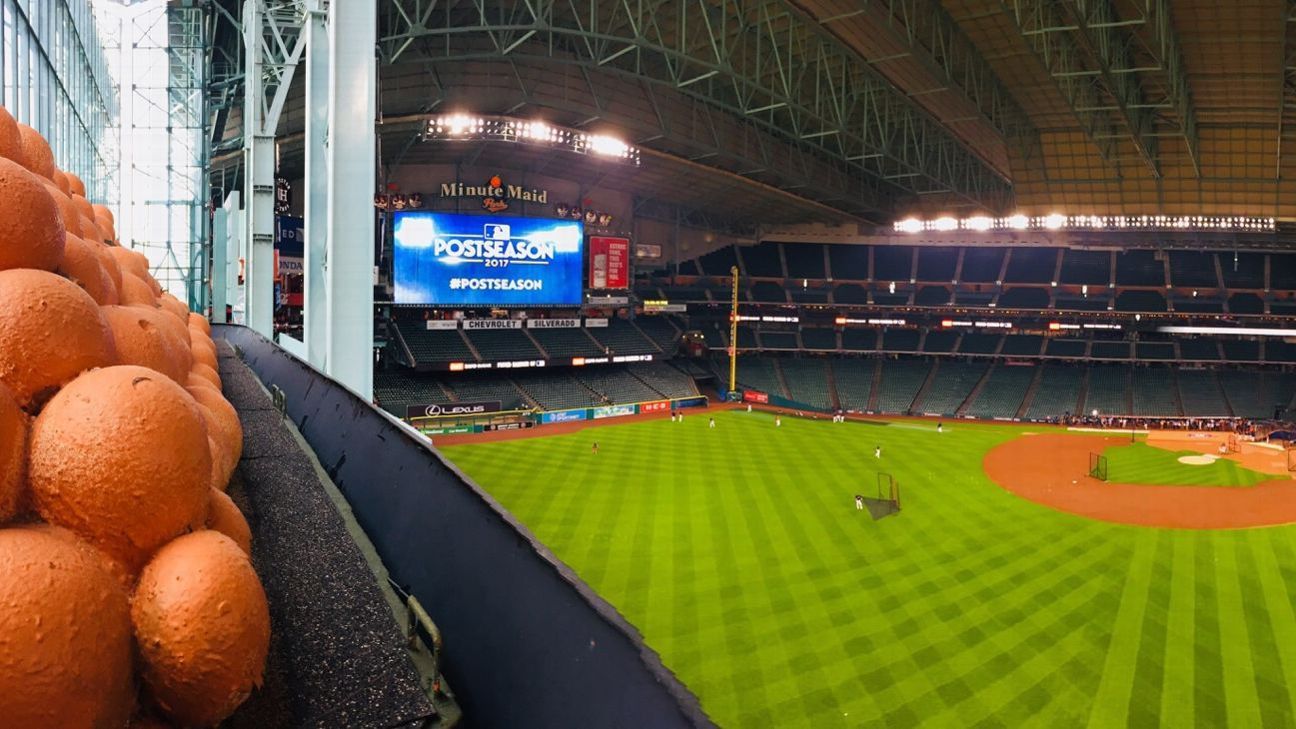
[{"x": 495, "y": 232}]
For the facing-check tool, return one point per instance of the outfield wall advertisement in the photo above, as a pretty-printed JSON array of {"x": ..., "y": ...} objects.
[
  {"x": 613, "y": 411},
  {"x": 443, "y": 259},
  {"x": 564, "y": 416}
]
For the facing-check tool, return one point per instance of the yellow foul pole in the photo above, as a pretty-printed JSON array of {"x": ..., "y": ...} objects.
[{"x": 733, "y": 333}]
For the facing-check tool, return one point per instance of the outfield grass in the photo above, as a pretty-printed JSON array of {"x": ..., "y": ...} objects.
[
  {"x": 1142, "y": 463},
  {"x": 739, "y": 555}
]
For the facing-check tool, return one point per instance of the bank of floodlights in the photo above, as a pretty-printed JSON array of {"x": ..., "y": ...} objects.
[
  {"x": 1060, "y": 222},
  {"x": 540, "y": 133}
]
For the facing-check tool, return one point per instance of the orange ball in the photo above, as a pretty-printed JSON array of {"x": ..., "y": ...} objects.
[
  {"x": 13, "y": 454},
  {"x": 90, "y": 230},
  {"x": 120, "y": 457},
  {"x": 83, "y": 266},
  {"x": 67, "y": 211},
  {"x": 221, "y": 471},
  {"x": 197, "y": 380},
  {"x": 198, "y": 321},
  {"x": 224, "y": 516},
  {"x": 66, "y": 653},
  {"x": 134, "y": 292},
  {"x": 50, "y": 332},
  {"x": 110, "y": 264},
  {"x": 202, "y": 625},
  {"x": 61, "y": 182},
  {"x": 130, "y": 261},
  {"x": 207, "y": 373},
  {"x": 40, "y": 158},
  {"x": 222, "y": 422},
  {"x": 75, "y": 184},
  {"x": 175, "y": 307},
  {"x": 31, "y": 228},
  {"x": 142, "y": 339},
  {"x": 204, "y": 350},
  {"x": 10, "y": 139}
]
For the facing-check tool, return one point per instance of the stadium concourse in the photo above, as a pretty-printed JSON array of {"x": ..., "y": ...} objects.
[{"x": 682, "y": 363}]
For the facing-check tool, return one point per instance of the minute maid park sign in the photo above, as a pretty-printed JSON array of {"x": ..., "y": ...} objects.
[{"x": 495, "y": 194}]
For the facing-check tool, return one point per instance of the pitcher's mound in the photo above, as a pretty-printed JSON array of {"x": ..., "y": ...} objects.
[{"x": 1203, "y": 459}]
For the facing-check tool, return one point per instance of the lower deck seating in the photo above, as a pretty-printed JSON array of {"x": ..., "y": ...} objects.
[
  {"x": 665, "y": 379},
  {"x": 502, "y": 344},
  {"x": 660, "y": 330},
  {"x": 622, "y": 337},
  {"x": 901, "y": 380},
  {"x": 434, "y": 345},
  {"x": 396, "y": 388},
  {"x": 807, "y": 381},
  {"x": 475, "y": 388},
  {"x": 1152, "y": 391},
  {"x": 567, "y": 343},
  {"x": 1003, "y": 393},
  {"x": 1108, "y": 390},
  {"x": 950, "y": 387},
  {"x": 1201, "y": 393},
  {"x": 558, "y": 391},
  {"x": 759, "y": 373},
  {"x": 617, "y": 385},
  {"x": 854, "y": 378},
  {"x": 1058, "y": 391}
]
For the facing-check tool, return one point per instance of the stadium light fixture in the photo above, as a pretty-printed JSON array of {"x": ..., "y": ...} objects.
[
  {"x": 465, "y": 127},
  {"x": 1060, "y": 221}
]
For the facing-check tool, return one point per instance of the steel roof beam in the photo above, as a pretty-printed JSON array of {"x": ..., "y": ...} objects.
[
  {"x": 1099, "y": 30},
  {"x": 754, "y": 59},
  {"x": 937, "y": 42},
  {"x": 1286, "y": 84},
  {"x": 1049, "y": 35},
  {"x": 1178, "y": 92}
]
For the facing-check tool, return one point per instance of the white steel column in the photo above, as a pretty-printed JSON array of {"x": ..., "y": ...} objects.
[
  {"x": 315, "y": 310},
  {"x": 350, "y": 160},
  {"x": 220, "y": 249},
  {"x": 258, "y": 179}
]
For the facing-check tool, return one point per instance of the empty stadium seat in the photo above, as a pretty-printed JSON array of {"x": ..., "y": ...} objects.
[
  {"x": 718, "y": 262},
  {"x": 819, "y": 338},
  {"x": 622, "y": 337},
  {"x": 759, "y": 373},
  {"x": 1058, "y": 391},
  {"x": 859, "y": 340},
  {"x": 665, "y": 379},
  {"x": 1139, "y": 268},
  {"x": 937, "y": 263},
  {"x": 932, "y": 296},
  {"x": 1031, "y": 265},
  {"x": 901, "y": 380},
  {"x": 950, "y": 386},
  {"x": 1140, "y": 300},
  {"x": 976, "y": 343},
  {"x": 1108, "y": 390},
  {"x": 1198, "y": 349},
  {"x": 437, "y": 345},
  {"x": 1022, "y": 345},
  {"x": 849, "y": 262},
  {"x": 892, "y": 263},
  {"x": 1110, "y": 350},
  {"x": 502, "y": 344},
  {"x": 939, "y": 342},
  {"x": 804, "y": 260},
  {"x": 395, "y": 388},
  {"x": 558, "y": 391},
  {"x": 1201, "y": 394},
  {"x": 1003, "y": 392},
  {"x": 1086, "y": 267},
  {"x": 850, "y": 294},
  {"x": 769, "y": 291},
  {"x": 1152, "y": 392},
  {"x": 1193, "y": 268},
  {"x": 854, "y": 380},
  {"x": 1242, "y": 270},
  {"x": 807, "y": 381},
  {"x": 616, "y": 385},
  {"x": 900, "y": 340},
  {"x": 567, "y": 342},
  {"x": 486, "y": 387},
  {"x": 1065, "y": 348},
  {"x": 1024, "y": 297},
  {"x": 762, "y": 260},
  {"x": 779, "y": 340},
  {"x": 982, "y": 265}
]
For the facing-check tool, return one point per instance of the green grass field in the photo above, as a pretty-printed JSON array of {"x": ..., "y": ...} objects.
[
  {"x": 739, "y": 554},
  {"x": 1142, "y": 463}
]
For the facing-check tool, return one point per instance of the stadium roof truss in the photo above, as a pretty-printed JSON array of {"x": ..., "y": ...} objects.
[
  {"x": 1107, "y": 65},
  {"x": 762, "y": 61}
]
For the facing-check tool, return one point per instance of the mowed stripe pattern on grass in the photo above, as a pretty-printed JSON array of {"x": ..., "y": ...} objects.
[
  {"x": 738, "y": 553},
  {"x": 1141, "y": 463}
]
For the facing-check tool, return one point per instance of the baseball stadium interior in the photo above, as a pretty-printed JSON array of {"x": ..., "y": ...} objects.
[{"x": 673, "y": 363}]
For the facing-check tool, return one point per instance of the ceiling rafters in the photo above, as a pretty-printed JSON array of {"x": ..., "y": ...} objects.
[
  {"x": 1049, "y": 36},
  {"x": 751, "y": 58},
  {"x": 924, "y": 31},
  {"x": 1286, "y": 84},
  {"x": 1099, "y": 29}
]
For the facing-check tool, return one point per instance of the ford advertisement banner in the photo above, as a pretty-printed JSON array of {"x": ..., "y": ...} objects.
[
  {"x": 564, "y": 416},
  {"x": 442, "y": 259},
  {"x": 438, "y": 410}
]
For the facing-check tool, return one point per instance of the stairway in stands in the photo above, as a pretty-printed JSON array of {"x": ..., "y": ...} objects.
[
  {"x": 976, "y": 390},
  {"x": 1030, "y": 392}
]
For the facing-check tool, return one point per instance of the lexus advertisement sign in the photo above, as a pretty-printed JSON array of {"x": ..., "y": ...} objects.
[{"x": 453, "y": 409}]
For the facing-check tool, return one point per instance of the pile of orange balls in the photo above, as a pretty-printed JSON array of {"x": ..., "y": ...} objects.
[{"x": 127, "y": 592}]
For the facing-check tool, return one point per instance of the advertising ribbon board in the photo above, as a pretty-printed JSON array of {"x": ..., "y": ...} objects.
[
  {"x": 613, "y": 411},
  {"x": 755, "y": 396},
  {"x": 437, "y": 410},
  {"x": 660, "y": 406},
  {"x": 564, "y": 416}
]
